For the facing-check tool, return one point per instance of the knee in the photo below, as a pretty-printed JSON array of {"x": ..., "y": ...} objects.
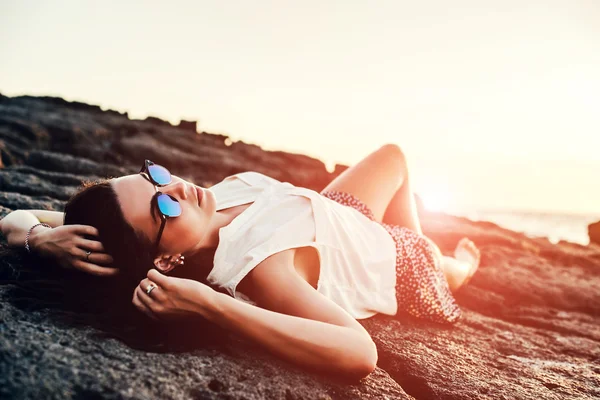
[
  {"x": 392, "y": 149},
  {"x": 394, "y": 152}
]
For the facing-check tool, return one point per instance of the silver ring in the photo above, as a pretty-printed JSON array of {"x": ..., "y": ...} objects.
[
  {"x": 87, "y": 255},
  {"x": 150, "y": 288}
]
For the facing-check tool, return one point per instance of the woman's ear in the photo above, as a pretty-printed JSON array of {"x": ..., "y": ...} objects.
[{"x": 165, "y": 263}]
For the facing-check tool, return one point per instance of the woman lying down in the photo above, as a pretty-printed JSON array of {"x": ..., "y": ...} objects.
[{"x": 292, "y": 269}]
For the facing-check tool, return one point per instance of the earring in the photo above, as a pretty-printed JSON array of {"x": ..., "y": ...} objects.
[
  {"x": 169, "y": 262},
  {"x": 175, "y": 261}
]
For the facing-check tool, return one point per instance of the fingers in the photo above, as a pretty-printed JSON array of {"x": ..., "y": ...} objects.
[
  {"x": 97, "y": 249},
  {"x": 160, "y": 279},
  {"x": 91, "y": 245},
  {"x": 156, "y": 294},
  {"x": 98, "y": 254},
  {"x": 154, "y": 302},
  {"x": 95, "y": 269},
  {"x": 85, "y": 230},
  {"x": 92, "y": 258},
  {"x": 98, "y": 258},
  {"x": 144, "y": 297},
  {"x": 141, "y": 306}
]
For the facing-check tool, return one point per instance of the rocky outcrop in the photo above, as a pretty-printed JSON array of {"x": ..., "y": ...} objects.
[
  {"x": 530, "y": 328},
  {"x": 594, "y": 232}
]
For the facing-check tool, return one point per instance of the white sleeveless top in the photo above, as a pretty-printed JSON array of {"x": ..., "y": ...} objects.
[{"x": 357, "y": 255}]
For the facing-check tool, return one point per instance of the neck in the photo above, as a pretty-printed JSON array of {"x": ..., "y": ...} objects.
[
  {"x": 202, "y": 257},
  {"x": 220, "y": 220}
]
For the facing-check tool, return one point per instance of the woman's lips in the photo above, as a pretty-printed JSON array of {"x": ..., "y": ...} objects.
[{"x": 200, "y": 194}]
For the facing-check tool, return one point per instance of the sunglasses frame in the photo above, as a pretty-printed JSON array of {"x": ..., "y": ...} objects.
[{"x": 145, "y": 172}]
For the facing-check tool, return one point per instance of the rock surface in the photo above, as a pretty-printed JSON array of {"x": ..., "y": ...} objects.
[
  {"x": 594, "y": 232},
  {"x": 530, "y": 328}
]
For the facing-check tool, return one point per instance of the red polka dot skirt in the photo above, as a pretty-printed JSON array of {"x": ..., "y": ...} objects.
[{"x": 421, "y": 287}]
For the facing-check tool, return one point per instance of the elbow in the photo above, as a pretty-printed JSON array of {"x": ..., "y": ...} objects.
[
  {"x": 370, "y": 362},
  {"x": 364, "y": 371},
  {"x": 366, "y": 365}
]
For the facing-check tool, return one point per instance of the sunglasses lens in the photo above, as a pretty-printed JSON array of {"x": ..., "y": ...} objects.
[
  {"x": 160, "y": 174},
  {"x": 169, "y": 206}
]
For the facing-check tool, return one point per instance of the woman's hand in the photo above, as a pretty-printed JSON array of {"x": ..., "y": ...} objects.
[
  {"x": 172, "y": 298},
  {"x": 68, "y": 246}
]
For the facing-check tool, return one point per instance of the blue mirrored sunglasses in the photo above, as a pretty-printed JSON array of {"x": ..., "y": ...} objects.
[{"x": 167, "y": 205}]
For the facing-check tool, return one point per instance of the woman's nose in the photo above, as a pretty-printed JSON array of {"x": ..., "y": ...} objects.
[{"x": 177, "y": 189}]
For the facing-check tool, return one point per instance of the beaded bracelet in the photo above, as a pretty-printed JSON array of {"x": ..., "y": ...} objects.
[{"x": 29, "y": 234}]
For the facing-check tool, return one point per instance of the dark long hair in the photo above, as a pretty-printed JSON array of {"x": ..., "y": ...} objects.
[
  {"x": 96, "y": 204},
  {"x": 106, "y": 303}
]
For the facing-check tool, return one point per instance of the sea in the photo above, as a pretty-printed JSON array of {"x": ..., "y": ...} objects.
[{"x": 554, "y": 226}]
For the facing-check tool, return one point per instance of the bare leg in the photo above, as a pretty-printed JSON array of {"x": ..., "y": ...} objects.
[
  {"x": 456, "y": 271},
  {"x": 460, "y": 268},
  {"x": 402, "y": 209}
]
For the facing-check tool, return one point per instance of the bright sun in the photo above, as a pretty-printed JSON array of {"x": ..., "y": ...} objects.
[{"x": 435, "y": 198}]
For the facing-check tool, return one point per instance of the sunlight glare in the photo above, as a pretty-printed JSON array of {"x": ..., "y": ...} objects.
[{"x": 435, "y": 198}]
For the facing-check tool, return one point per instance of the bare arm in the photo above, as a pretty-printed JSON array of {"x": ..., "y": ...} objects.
[
  {"x": 16, "y": 224},
  {"x": 318, "y": 345},
  {"x": 52, "y": 218},
  {"x": 66, "y": 244},
  {"x": 301, "y": 325}
]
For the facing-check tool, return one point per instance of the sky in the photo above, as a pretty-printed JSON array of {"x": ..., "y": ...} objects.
[{"x": 495, "y": 103}]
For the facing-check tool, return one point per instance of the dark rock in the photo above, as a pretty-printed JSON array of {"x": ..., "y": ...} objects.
[
  {"x": 50, "y": 161},
  {"x": 190, "y": 126},
  {"x": 339, "y": 168},
  {"x": 157, "y": 122},
  {"x": 530, "y": 327},
  {"x": 32, "y": 185},
  {"x": 594, "y": 232},
  {"x": 16, "y": 201}
]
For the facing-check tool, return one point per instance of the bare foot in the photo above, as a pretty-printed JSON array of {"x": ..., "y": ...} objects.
[{"x": 467, "y": 252}]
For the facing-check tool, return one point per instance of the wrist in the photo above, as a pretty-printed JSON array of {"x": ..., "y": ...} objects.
[
  {"x": 34, "y": 236},
  {"x": 208, "y": 305}
]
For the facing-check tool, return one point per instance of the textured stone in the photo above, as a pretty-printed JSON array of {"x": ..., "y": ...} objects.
[
  {"x": 530, "y": 328},
  {"x": 594, "y": 232}
]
